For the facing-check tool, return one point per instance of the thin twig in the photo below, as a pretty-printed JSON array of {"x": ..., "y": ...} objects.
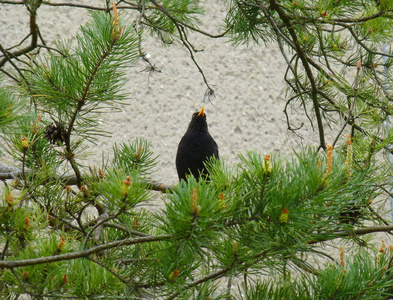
[
  {"x": 351, "y": 107},
  {"x": 303, "y": 57}
]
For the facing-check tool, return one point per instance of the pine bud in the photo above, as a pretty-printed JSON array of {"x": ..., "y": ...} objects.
[
  {"x": 61, "y": 244},
  {"x": 234, "y": 247},
  {"x": 35, "y": 127},
  {"x": 68, "y": 190},
  {"x": 284, "y": 217},
  {"x": 25, "y": 275},
  {"x": 135, "y": 225},
  {"x": 267, "y": 167},
  {"x": 137, "y": 155},
  {"x": 126, "y": 186},
  {"x": 65, "y": 279},
  {"x": 85, "y": 192},
  {"x": 25, "y": 143},
  {"x": 27, "y": 223},
  {"x": 9, "y": 197},
  {"x": 195, "y": 208},
  {"x": 379, "y": 254},
  {"x": 383, "y": 247},
  {"x": 174, "y": 275},
  {"x": 116, "y": 32},
  {"x": 221, "y": 201},
  {"x": 342, "y": 260}
]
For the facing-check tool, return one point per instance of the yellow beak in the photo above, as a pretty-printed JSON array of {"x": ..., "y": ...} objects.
[{"x": 201, "y": 112}]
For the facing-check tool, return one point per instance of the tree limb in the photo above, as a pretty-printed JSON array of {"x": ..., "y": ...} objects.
[
  {"x": 85, "y": 253},
  {"x": 10, "y": 172}
]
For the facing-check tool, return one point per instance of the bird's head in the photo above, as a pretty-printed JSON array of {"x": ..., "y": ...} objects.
[{"x": 198, "y": 120}]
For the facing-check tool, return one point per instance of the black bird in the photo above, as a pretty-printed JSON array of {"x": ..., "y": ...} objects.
[{"x": 195, "y": 148}]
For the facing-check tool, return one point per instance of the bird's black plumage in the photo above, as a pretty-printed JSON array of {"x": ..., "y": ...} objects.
[{"x": 195, "y": 148}]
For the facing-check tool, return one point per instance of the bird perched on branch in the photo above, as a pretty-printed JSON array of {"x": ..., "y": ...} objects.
[{"x": 195, "y": 148}]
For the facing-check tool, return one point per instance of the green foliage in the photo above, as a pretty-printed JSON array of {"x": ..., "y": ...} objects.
[
  {"x": 192, "y": 209},
  {"x": 119, "y": 191},
  {"x": 167, "y": 21},
  {"x": 363, "y": 276},
  {"x": 66, "y": 232},
  {"x": 246, "y": 23},
  {"x": 9, "y": 111},
  {"x": 69, "y": 88},
  {"x": 270, "y": 214},
  {"x": 135, "y": 156}
]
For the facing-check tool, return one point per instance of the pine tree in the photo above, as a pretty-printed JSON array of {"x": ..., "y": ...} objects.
[{"x": 68, "y": 231}]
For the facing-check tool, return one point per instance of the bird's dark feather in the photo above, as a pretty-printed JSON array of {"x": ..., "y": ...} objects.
[{"x": 195, "y": 148}]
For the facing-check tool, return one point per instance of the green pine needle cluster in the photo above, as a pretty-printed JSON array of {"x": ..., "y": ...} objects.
[
  {"x": 134, "y": 156},
  {"x": 363, "y": 276},
  {"x": 87, "y": 80}
]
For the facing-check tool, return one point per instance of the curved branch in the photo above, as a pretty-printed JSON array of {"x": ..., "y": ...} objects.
[
  {"x": 34, "y": 38},
  {"x": 303, "y": 57},
  {"x": 178, "y": 22},
  {"x": 361, "y": 231}
]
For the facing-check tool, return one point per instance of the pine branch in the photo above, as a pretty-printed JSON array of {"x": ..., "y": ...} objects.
[
  {"x": 85, "y": 253},
  {"x": 178, "y": 22},
  {"x": 361, "y": 231},
  {"x": 8, "y": 172}
]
